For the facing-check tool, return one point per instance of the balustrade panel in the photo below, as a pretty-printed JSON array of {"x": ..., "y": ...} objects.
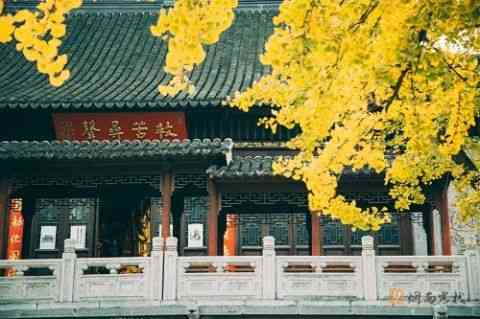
[
  {"x": 30, "y": 280},
  {"x": 325, "y": 277},
  {"x": 419, "y": 277},
  {"x": 112, "y": 278},
  {"x": 237, "y": 277}
]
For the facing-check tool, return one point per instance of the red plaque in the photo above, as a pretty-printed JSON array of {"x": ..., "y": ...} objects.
[{"x": 120, "y": 126}]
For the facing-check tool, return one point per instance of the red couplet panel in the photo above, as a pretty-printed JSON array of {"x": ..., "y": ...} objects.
[
  {"x": 120, "y": 126},
  {"x": 230, "y": 237},
  {"x": 15, "y": 232}
]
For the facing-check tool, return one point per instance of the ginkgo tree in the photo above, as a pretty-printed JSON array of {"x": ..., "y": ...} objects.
[
  {"x": 38, "y": 35},
  {"x": 391, "y": 86}
]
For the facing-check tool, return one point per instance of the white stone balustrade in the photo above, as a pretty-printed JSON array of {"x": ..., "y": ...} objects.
[
  {"x": 166, "y": 277},
  {"x": 237, "y": 277},
  {"x": 424, "y": 275},
  {"x": 126, "y": 278},
  {"x": 21, "y": 287},
  {"x": 325, "y": 277}
]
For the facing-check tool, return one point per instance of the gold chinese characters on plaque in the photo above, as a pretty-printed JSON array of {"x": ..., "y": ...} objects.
[{"x": 120, "y": 126}]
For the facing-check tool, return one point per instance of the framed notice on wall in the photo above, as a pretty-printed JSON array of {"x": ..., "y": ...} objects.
[
  {"x": 48, "y": 237},
  {"x": 195, "y": 235},
  {"x": 79, "y": 234}
]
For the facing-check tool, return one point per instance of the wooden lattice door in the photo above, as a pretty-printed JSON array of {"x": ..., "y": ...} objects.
[
  {"x": 57, "y": 219},
  {"x": 290, "y": 230}
]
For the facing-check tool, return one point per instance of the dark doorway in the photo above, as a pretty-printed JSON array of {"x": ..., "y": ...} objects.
[{"x": 124, "y": 227}]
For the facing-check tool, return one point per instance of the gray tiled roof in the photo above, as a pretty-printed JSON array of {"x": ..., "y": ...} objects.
[
  {"x": 116, "y": 63},
  {"x": 68, "y": 150},
  {"x": 261, "y": 166},
  {"x": 248, "y": 166}
]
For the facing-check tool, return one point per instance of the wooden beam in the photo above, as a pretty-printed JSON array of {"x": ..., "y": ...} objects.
[
  {"x": 316, "y": 234},
  {"x": 263, "y": 186},
  {"x": 4, "y": 197},
  {"x": 212, "y": 222},
  {"x": 167, "y": 190}
]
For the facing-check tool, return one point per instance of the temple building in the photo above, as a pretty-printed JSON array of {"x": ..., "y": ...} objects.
[
  {"x": 109, "y": 162},
  {"x": 107, "y": 157}
]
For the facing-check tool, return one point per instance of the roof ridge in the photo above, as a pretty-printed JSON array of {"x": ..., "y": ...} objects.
[
  {"x": 137, "y": 5},
  {"x": 106, "y": 149},
  {"x": 146, "y": 141}
]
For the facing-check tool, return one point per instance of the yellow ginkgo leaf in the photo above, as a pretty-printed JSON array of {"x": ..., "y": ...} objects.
[
  {"x": 56, "y": 66},
  {"x": 24, "y": 15},
  {"x": 6, "y": 28},
  {"x": 58, "y": 30},
  {"x": 59, "y": 79},
  {"x": 31, "y": 54}
]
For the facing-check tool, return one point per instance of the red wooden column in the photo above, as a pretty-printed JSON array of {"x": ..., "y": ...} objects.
[
  {"x": 4, "y": 195},
  {"x": 213, "y": 206},
  {"x": 406, "y": 235},
  {"x": 316, "y": 234},
  {"x": 444, "y": 216},
  {"x": 167, "y": 190}
]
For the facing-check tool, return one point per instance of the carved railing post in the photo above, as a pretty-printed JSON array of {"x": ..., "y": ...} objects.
[
  {"x": 437, "y": 233},
  {"x": 156, "y": 269},
  {"x": 419, "y": 234},
  {"x": 69, "y": 259},
  {"x": 473, "y": 275},
  {"x": 269, "y": 277},
  {"x": 170, "y": 274},
  {"x": 369, "y": 274}
]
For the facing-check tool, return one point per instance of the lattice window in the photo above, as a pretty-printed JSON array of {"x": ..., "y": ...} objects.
[
  {"x": 196, "y": 212},
  {"x": 60, "y": 218},
  {"x": 250, "y": 229},
  {"x": 278, "y": 228},
  {"x": 49, "y": 214},
  {"x": 357, "y": 236},
  {"x": 301, "y": 229},
  {"x": 253, "y": 228},
  {"x": 333, "y": 232},
  {"x": 389, "y": 234}
]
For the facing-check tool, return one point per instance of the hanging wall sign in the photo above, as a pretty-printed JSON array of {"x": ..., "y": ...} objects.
[
  {"x": 48, "y": 237},
  {"x": 195, "y": 235},
  {"x": 120, "y": 126}
]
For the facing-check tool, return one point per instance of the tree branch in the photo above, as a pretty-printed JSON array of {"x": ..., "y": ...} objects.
[
  {"x": 364, "y": 16},
  {"x": 396, "y": 88},
  {"x": 450, "y": 66}
]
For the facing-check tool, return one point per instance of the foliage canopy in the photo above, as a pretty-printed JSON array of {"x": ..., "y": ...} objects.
[{"x": 385, "y": 85}]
